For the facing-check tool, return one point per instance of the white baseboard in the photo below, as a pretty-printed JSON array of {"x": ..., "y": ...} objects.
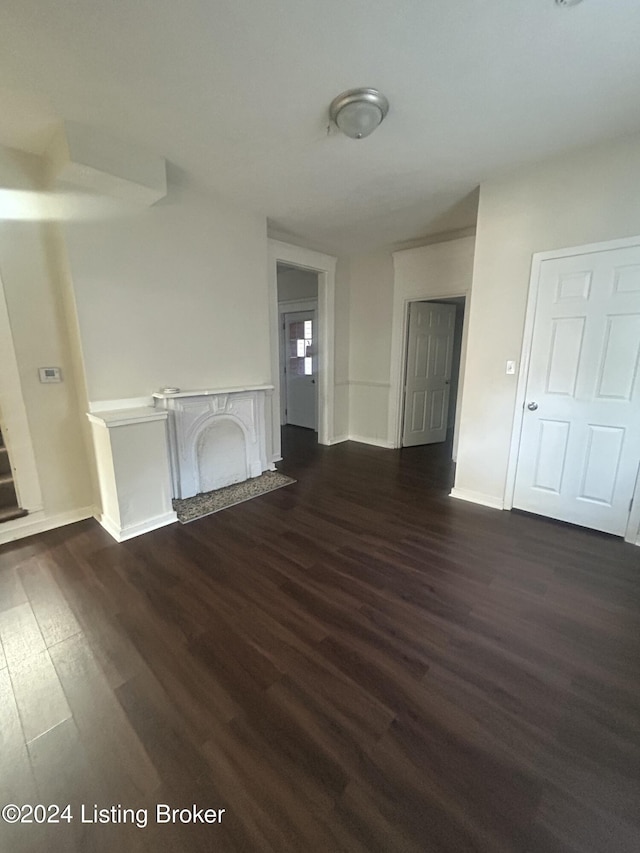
[
  {"x": 121, "y": 534},
  {"x": 110, "y": 526},
  {"x": 375, "y": 442},
  {"x": 477, "y": 498},
  {"x": 39, "y": 522},
  {"x": 337, "y": 439}
]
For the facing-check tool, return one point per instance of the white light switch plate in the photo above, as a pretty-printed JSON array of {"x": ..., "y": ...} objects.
[{"x": 511, "y": 368}]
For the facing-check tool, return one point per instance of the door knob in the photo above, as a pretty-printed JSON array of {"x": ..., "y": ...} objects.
[{"x": 532, "y": 406}]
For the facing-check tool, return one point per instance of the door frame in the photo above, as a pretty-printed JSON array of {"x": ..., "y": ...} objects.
[
  {"x": 13, "y": 419},
  {"x": 396, "y": 413},
  {"x": 293, "y": 307},
  {"x": 325, "y": 266},
  {"x": 632, "y": 534}
]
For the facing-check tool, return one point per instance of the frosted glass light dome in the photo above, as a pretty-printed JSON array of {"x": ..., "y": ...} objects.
[{"x": 357, "y": 112}]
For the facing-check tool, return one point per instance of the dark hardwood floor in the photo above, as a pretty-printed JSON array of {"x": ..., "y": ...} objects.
[{"x": 356, "y": 662}]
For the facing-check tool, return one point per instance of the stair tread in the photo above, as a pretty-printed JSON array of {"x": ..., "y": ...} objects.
[
  {"x": 9, "y": 513},
  {"x": 6, "y": 478}
]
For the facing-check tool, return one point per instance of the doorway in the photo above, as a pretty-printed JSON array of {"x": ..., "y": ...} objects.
[
  {"x": 432, "y": 371},
  {"x": 298, "y": 367},
  {"x": 577, "y": 452},
  {"x": 323, "y": 266}
]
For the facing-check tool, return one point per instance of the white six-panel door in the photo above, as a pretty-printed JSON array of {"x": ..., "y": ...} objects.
[
  {"x": 427, "y": 386},
  {"x": 580, "y": 442}
]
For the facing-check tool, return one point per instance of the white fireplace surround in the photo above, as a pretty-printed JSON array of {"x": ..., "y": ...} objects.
[{"x": 217, "y": 437}]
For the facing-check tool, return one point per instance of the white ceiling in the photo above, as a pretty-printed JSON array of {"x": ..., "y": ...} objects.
[{"x": 235, "y": 93}]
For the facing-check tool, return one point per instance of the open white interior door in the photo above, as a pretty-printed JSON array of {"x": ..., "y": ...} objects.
[{"x": 428, "y": 376}]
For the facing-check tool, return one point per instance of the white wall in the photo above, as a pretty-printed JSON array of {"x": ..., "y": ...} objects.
[
  {"x": 175, "y": 294},
  {"x": 295, "y": 284},
  {"x": 586, "y": 197},
  {"x": 41, "y": 338},
  {"x": 436, "y": 271},
  {"x": 370, "y": 306},
  {"x": 380, "y": 285},
  {"x": 341, "y": 350}
]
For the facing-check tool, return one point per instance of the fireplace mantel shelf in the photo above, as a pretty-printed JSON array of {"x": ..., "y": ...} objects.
[
  {"x": 212, "y": 392},
  {"x": 123, "y": 417}
]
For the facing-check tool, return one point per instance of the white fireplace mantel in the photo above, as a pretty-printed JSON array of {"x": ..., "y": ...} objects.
[{"x": 217, "y": 436}]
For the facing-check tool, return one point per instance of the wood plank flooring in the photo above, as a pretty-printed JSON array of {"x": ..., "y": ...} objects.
[{"x": 353, "y": 663}]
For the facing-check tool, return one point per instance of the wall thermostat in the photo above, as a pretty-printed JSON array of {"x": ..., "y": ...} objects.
[{"x": 50, "y": 374}]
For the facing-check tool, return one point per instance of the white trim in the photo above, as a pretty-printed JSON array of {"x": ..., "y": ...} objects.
[
  {"x": 14, "y": 422},
  {"x": 367, "y": 384},
  {"x": 121, "y": 534},
  {"x": 399, "y": 337},
  {"x": 632, "y": 534},
  {"x": 588, "y": 248},
  {"x": 375, "y": 442},
  {"x": 476, "y": 498},
  {"x": 325, "y": 266},
  {"x": 38, "y": 522},
  {"x": 523, "y": 375},
  {"x": 435, "y": 239},
  {"x": 338, "y": 439},
  {"x": 114, "y": 405}
]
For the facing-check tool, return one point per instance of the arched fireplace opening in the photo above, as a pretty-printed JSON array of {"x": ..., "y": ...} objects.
[{"x": 221, "y": 455}]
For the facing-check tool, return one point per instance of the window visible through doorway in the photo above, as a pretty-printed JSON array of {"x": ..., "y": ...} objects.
[{"x": 300, "y": 346}]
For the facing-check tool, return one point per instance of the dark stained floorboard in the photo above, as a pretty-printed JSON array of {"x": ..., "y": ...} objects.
[{"x": 353, "y": 663}]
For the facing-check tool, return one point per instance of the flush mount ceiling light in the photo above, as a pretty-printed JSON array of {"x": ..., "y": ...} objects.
[
  {"x": 568, "y": 2},
  {"x": 358, "y": 112}
]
